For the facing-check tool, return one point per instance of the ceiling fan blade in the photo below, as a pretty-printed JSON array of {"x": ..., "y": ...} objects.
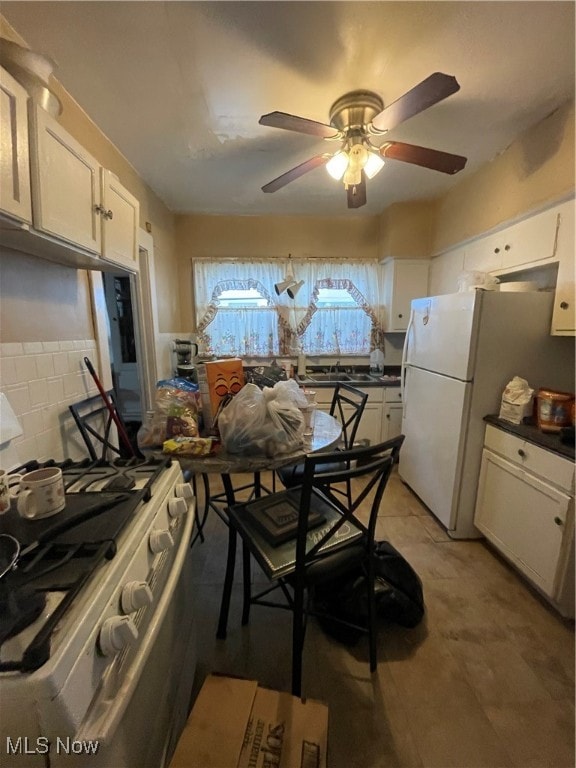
[
  {"x": 427, "y": 158},
  {"x": 357, "y": 194},
  {"x": 295, "y": 173},
  {"x": 427, "y": 93},
  {"x": 299, "y": 124}
]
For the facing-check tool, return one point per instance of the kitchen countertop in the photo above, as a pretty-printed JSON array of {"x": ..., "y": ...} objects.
[
  {"x": 388, "y": 378},
  {"x": 530, "y": 432}
]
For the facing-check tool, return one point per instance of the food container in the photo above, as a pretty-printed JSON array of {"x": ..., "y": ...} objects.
[{"x": 554, "y": 410}]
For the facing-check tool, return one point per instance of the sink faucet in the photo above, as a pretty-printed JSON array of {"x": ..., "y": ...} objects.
[{"x": 335, "y": 367}]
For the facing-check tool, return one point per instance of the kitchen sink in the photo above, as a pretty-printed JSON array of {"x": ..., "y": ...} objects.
[
  {"x": 361, "y": 377},
  {"x": 328, "y": 377}
]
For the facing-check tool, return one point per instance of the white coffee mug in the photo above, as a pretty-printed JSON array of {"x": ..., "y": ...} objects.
[
  {"x": 41, "y": 493},
  {"x": 8, "y": 486}
]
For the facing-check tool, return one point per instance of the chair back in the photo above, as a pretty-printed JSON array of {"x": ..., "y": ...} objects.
[
  {"x": 348, "y": 406},
  {"x": 94, "y": 422},
  {"x": 368, "y": 470}
]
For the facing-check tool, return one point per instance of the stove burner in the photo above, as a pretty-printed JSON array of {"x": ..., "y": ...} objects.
[
  {"x": 102, "y": 498},
  {"x": 18, "y": 609}
]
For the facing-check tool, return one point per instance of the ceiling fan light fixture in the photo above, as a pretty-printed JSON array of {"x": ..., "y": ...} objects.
[
  {"x": 337, "y": 165},
  {"x": 374, "y": 164}
]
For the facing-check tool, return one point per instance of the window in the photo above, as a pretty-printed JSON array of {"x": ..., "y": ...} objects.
[{"x": 239, "y": 313}]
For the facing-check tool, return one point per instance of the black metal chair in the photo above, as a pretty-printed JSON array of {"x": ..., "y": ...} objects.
[
  {"x": 347, "y": 406},
  {"x": 339, "y": 542},
  {"x": 95, "y": 422}
]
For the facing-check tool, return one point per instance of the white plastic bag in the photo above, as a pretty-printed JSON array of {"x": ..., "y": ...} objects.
[
  {"x": 260, "y": 422},
  {"x": 516, "y": 401}
]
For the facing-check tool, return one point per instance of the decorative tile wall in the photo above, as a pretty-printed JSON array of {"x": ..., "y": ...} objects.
[{"x": 40, "y": 380}]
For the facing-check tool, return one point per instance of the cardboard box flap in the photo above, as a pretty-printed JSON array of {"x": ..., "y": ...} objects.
[
  {"x": 215, "y": 730},
  {"x": 285, "y": 732}
]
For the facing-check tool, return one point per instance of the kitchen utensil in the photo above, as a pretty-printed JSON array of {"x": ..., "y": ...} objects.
[{"x": 40, "y": 493}]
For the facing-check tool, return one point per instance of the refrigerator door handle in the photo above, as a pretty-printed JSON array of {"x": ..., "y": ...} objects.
[{"x": 404, "y": 353}]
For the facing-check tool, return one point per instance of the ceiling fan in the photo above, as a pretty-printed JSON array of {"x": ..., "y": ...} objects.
[{"x": 356, "y": 120}]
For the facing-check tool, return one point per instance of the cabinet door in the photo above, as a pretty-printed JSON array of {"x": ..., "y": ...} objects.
[
  {"x": 564, "y": 314},
  {"x": 530, "y": 241},
  {"x": 120, "y": 221},
  {"x": 370, "y": 427},
  {"x": 523, "y": 517},
  {"x": 409, "y": 281},
  {"x": 66, "y": 188},
  {"x": 15, "y": 197},
  {"x": 485, "y": 254},
  {"x": 445, "y": 270},
  {"x": 392, "y": 424}
]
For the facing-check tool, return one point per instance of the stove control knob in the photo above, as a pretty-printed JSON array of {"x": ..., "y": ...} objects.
[
  {"x": 135, "y": 595},
  {"x": 116, "y": 633},
  {"x": 184, "y": 491},
  {"x": 161, "y": 540},
  {"x": 177, "y": 507}
]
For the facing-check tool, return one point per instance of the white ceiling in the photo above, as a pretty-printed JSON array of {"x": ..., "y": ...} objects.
[{"x": 179, "y": 87}]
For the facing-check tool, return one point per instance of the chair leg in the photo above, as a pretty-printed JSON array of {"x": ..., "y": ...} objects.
[
  {"x": 297, "y": 640},
  {"x": 228, "y": 581},
  {"x": 230, "y": 565},
  {"x": 371, "y": 617},
  {"x": 201, "y": 519},
  {"x": 247, "y": 582}
]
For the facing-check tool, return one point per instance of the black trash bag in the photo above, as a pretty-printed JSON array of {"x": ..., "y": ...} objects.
[{"x": 398, "y": 596}]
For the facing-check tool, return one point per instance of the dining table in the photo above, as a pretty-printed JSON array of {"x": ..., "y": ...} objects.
[{"x": 326, "y": 435}]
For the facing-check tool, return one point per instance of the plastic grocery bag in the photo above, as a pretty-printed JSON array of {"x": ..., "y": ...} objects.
[{"x": 258, "y": 422}]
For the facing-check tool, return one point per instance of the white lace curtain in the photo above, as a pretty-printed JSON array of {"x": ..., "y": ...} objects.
[{"x": 287, "y": 325}]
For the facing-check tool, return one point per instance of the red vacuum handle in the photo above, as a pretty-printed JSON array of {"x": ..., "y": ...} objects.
[{"x": 111, "y": 410}]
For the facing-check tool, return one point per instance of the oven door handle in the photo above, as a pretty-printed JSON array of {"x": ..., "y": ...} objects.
[{"x": 106, "y": 725}]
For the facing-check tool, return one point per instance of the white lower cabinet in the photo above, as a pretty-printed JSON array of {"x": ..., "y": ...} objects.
[
  {"x": 392, "y": 413},
  {"x": 370, "y": 427},
  {"x": 525, "y": 508}
]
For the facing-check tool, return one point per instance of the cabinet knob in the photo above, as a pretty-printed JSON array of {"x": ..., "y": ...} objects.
[
  {"x": 558, "y": 520},
  {"x": 108, "y": 214},
  {"x": 400, "y": 315},
  {"x": 506, "y": 247},
  {"x": 564, "y": 305},
  {"x": 496, "y": 250},
  {"x": 521, "y": 453},
  {"x": 387, "y": 415}
]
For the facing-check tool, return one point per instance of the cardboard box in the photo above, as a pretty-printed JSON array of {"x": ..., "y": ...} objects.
[
  {"x": 217, "y": 381},
  {"x": 237, "y": 724}
]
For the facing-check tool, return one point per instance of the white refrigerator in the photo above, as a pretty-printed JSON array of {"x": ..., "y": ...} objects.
[{"x": 460, "y": 352}]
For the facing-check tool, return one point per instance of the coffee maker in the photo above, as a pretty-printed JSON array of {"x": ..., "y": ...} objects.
[{"x": 186, "y": 352}]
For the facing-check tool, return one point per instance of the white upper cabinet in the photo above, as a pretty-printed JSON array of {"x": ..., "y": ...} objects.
[
  {"x": 404, "y": 280},
  {"x": 121, "y": 217},
  {"x": 66, "y": 184},
  {"x": 564, "y": 313},
  {"x": 81, "y": 215},
  {"x": 15, "y": 198},
  {"x": 520, "y": 246}
]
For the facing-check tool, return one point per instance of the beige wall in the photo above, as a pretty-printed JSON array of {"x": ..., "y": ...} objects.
[
  {"x": 269, "y": 236},
  {"x": 152, "y": 210},
  {"x": 536, "y": 169},
  {"x": 407, "y": 230}
]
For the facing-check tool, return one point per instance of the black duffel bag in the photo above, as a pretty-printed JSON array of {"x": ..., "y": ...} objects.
[{"x": 397, "y": 591}]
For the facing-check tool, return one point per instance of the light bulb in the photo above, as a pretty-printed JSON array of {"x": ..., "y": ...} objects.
[
  {"x": 337, "y": 165},
  {"x": 374, "y": 163}
]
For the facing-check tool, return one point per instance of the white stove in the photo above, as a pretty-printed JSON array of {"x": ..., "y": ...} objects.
[{"x": 102, "y": 673}]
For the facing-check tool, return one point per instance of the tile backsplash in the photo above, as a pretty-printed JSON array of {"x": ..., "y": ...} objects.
[{"x": 40, "y": 380}]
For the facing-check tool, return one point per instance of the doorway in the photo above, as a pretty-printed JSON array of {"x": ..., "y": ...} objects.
[{"x": 124, "y": 343}]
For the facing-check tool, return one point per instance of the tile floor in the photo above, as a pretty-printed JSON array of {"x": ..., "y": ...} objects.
[{"x": 486, "y": 680}]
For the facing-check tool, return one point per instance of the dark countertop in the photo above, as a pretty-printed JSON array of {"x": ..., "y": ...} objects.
[
  {"x": 390, "y": 377},
  {"x": 530, "y": 432}
]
